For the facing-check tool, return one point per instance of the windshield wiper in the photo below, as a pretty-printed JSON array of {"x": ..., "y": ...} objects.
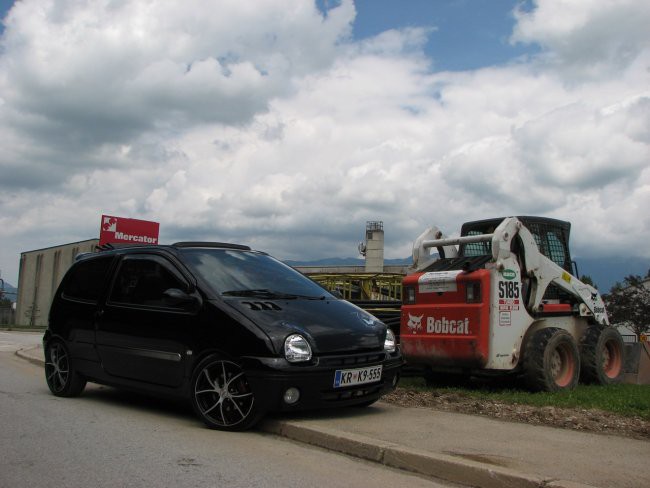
[
  {"x": 270, "y": 294},
  {"x": 305, "y": 297},
  {"x": 253, "y": 292}
]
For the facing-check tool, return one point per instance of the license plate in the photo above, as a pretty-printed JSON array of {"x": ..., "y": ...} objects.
[{"x": 360, "y": 376}]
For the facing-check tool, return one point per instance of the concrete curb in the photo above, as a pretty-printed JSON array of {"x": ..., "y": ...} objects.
[
  {"x": 32, "y": 354},
  {"x": 441, "y": 466},
  {"x": 18, "y": 328}
]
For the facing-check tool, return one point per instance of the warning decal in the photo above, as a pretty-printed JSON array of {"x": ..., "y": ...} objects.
[{"x": 438, "y": 281}]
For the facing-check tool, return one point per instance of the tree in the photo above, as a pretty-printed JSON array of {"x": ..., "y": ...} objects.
[
  {"x": 628, "y": 304},
  {"x": 586, "y": 279}
]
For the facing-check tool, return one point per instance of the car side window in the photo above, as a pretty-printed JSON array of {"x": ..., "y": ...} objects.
[
  {"x": 142, "y": 281},
  {"x": 85, "y": 281}
]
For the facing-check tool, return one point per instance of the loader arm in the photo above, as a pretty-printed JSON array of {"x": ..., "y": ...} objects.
[
  {"x": 543, "y": 271},
  {"x": 421, "y": 248}
]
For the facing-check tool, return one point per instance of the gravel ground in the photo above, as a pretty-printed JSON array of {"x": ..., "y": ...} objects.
[{"x": 596, "y": 421}]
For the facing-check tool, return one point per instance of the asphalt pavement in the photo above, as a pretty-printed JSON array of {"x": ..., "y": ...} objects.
[{"x": 463, "y": 448}]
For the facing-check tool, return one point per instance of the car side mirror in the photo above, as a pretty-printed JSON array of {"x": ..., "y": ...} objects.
[{"x": 176, "y": 297}]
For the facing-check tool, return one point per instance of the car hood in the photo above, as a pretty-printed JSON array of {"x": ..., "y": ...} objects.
[{"x": 331, "y": 326}]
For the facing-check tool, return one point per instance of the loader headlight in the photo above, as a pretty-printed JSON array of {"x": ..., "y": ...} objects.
[
  {"x": 297, "y": 349},
  {"x": 473, "y": 292},
  {"x": 409, "y": 295}
]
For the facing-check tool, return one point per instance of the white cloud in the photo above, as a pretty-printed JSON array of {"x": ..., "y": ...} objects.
[
  {"x": 88, "y": 76},
  {"x": 271, "y": 126},
  {"x": 587, "y": 38}
]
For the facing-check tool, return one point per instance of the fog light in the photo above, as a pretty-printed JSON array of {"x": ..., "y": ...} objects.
[{"x": 291, "y": 396}]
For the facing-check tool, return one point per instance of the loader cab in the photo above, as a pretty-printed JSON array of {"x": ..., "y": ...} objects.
[{"x": 551, "y": 237}]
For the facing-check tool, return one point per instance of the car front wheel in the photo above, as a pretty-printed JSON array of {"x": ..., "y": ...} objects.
[{"x": 222, "y": 396}]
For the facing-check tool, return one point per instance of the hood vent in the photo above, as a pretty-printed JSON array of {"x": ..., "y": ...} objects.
[{"x": 262, "y": 306}]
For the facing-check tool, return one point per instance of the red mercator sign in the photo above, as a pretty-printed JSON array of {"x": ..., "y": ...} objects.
[{"x": 118, "y": 230}]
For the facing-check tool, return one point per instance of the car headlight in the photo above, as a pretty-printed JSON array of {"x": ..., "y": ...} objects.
[
  {"x": 389, "y": 343},
  {"x": 297, "y": 349}
]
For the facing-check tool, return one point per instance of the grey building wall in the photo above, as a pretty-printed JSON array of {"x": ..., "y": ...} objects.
[{"x": 39, "y": 275}]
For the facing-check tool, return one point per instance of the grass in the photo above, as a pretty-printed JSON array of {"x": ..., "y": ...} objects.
[{"x": 626, "y": 400}]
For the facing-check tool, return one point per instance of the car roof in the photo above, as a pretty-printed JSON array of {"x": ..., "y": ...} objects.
[
  {"x": 225, "y": 245},
  {"x": 112, "y": 249}
]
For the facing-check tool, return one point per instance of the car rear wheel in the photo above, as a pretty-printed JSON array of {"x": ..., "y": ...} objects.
[
  {"x": 62, "y": 379},
  {"x": 551, "y": 361},
  {"x": 222, "y": 396}
]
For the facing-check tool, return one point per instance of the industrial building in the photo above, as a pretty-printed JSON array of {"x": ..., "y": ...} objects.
[
  {"x": 39, "y": 275},
  {"x": 372, "y": 282}
]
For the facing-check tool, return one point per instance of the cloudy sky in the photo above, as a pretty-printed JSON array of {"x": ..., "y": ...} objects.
[{"x": 287, "y": 124}]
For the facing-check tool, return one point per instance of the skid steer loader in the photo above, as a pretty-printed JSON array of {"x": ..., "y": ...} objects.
[{"x": 503, "y": 298}]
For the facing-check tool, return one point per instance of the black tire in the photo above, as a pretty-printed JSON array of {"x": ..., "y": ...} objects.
[
  {"x": 551, "y": 360},
  {"x": 60, "y": 375},
  {"x": 602, "y": 353},
  {"x": 222, "y": 396}
]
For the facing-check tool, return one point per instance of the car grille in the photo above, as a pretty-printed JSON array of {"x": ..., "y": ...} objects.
[
  {"x": 348, "y": 394},
  {"x": 352, "y": 359}
]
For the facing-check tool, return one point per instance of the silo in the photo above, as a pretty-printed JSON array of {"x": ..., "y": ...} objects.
[{"x": 374, "y": 247}]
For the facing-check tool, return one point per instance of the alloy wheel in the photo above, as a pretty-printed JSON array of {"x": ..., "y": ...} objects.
[{"x": 223, "y": 395}]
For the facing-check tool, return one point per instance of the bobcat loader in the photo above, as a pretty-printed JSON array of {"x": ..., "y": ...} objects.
[{"x": 501, "y": 298}]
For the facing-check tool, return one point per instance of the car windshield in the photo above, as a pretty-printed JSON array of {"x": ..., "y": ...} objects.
[{"x": 233, "y": 272}]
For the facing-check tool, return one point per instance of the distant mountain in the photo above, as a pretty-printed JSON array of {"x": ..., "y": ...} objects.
[
  {"x": 346, "y": 262},
  {"x": 604, "y": 272},
  {"x": 328, "y": 262},
  {"x": 10, "y": 292}
]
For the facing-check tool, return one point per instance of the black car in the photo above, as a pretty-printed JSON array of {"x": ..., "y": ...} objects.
[{"x": 234, "y": 330}]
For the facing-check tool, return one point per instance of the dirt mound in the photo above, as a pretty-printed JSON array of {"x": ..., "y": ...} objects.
[{"x": 596, "y": 421}]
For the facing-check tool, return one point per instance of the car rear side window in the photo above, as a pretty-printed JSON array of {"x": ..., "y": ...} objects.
[{"x": 86, "y": 280}]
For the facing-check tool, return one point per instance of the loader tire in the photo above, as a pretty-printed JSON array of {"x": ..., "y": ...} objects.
[
  {"x": 551, "y": 360},
  {"x": 602, "y": 354}
]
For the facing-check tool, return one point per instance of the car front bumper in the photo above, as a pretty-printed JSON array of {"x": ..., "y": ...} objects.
[{"x": 270, "y": 378}]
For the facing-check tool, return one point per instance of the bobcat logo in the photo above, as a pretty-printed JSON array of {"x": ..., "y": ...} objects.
[{"x": 415, "y": 323}]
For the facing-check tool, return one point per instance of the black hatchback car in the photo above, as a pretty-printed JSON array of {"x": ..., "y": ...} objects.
[{"x": 234, "y": 330}]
